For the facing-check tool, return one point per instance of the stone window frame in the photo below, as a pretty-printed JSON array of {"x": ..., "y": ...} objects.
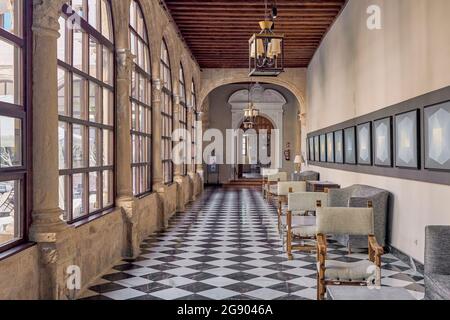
[
  {"x": 105, "y": 184},
  {"x": 167, "y": 118},
  {"x": 183, "y": 120},
  {"x": 141, "y": 128},
  {"x": 20, "y": 110}
]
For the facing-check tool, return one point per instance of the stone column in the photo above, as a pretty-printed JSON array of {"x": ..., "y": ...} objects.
[
  {"x": 191, "y": 166},
  {"x": 156, "y": 133},
  {"x": 125, "y": 198},
  {"x": 178, "y": 168},
  {"x": 123, "y": 137},
  {"x": 48, "y": 230},
  {"x": 158, "y": 181}
]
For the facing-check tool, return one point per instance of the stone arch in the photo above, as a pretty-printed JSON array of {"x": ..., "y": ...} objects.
[{"x": 217, "y": 78}]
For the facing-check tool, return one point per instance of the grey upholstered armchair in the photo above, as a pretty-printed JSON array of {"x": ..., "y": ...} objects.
[
  {"x": 306, "y": 176},
  {"x": 437, "y": 263},
  {"x": 357, "y": 196}
]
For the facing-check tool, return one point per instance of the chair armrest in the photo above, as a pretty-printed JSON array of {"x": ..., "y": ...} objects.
[
  {"x": 321, "y": 249},
  {"x": 375, "y": 250}
]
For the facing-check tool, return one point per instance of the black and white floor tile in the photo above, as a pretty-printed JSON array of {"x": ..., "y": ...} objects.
[{"x": 227, "y": 247}]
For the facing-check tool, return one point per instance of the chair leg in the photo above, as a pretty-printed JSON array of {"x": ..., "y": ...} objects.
[{"x": 289, "y": 236}]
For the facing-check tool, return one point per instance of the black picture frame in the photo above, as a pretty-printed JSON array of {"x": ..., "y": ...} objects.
[
  {"x": 323, "y": 148},
  {"x": 407, "y": 142},
  {"x": 316, "y": 149},
  {"x": 339, "y": 146},
  {"x": 350, "y": 145},
  {"x": 382, "y": 142},
  {"x": 330, "y": 147},
  {"x": 311, "y": 149},
  {"x": 437, "y": 136},
  {"x": 364, "y": 144}
]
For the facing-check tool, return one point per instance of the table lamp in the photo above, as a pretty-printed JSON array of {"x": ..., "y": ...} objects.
[{"x": 299, "y": 160}]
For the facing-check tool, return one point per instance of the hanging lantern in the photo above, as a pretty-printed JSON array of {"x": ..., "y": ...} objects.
[{"x": 266, "y": 52}]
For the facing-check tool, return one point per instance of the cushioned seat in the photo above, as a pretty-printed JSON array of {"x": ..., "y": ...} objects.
[
  {"x": 437, "y": 263},
  {"x": 304, "y": 231},
  {"x": 438, "y": 286},
  {"x": 348, "y": 271}
]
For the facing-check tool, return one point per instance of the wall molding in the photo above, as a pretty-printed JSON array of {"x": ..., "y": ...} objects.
[{"x": 421, "y": 174}]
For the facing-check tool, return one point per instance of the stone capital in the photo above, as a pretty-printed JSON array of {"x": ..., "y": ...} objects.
[
  {"x": 45, "y": 17},
  {"x": 125, "y": 60}
]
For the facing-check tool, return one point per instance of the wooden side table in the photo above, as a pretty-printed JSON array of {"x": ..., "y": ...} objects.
[{"x": 320, "y": 186}]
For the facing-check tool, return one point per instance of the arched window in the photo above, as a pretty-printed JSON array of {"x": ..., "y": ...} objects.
[
  {"x": 86, "y": 109},
  {"x": 183, "y": 115},
  {"x": 14, "y": 116},
  {"x": 166, "y": 115},
  {"x": 141, "y": 99},
  {"x": 194, "y": 126}
]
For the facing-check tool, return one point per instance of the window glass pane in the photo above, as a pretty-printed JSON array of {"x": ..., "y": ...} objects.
[
  {"x": 79, "y": 188},
  {"x": 10, "y": 16},
  {"x": 107, "y": 66},
  {"x": 108, "y": 118},
  {"x": 94, "y": 147},
  {"x": 94, "y": 183},
  {"x": 10, "y": 142},
  {"x": 62, "y": 101},
  {"x": 78, "y": 142},
  {"x": 107, "y": 188},
  {"x": 106, "y": 20},
  {"x": 78, "y": 48},
  {"x": 10, "y": 73},
  {"x": 107, "y": 148},
  {"x": 93, "y": 51},
  {"x": 63, "y": 194},
  {"x": 63, "y": 132},
  {"x": 94, "y": 103},
  {"x": 62, "y": 39},
  {"x": 10, "y": 212},
  {"x": 93, "y": 13},
  {"x": 78, "y": 88}
]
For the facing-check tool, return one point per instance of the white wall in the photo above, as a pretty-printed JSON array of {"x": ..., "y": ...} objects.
[{"x": 356, "y": 71}]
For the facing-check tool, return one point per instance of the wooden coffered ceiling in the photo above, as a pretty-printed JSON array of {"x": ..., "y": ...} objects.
[{"x": 217, "y": 31}]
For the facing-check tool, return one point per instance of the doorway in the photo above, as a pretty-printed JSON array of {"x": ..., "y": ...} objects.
[{"x": 251, "y": 147}]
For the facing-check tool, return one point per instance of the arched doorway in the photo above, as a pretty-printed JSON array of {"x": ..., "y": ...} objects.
[{"x": 252, "y": 146}]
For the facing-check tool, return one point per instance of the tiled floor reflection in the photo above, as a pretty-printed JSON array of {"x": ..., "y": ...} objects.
[{"x": 226, "y": 246}]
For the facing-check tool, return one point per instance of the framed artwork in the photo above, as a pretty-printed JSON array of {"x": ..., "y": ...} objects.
[
  {"x": 323, "y": 148},
  {"x": 316, "y": 149},
  {"x": 437, "y": 136},
  {"x": 339, "y": 146},
  {"x": 383, "y": 142},
  {"x": 364, "y": 141},
  {"x": 350, "y": 145},
  {"x": 330, "y": 147},
  {"x": 311, "y": 149},
  {"x": 407, "y": 140}
]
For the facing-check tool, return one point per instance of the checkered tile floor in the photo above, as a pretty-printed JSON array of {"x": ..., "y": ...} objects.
[{"x": 226, "y": 247}]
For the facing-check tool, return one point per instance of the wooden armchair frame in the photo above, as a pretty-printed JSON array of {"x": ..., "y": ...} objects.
[
  {"x": 375, "y": 253},
  {"x": 290, "y": 237}
]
